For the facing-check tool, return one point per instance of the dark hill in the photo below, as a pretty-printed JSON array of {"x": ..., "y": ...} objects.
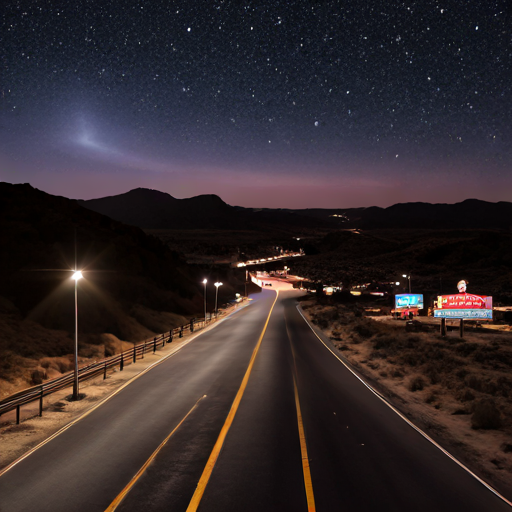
[
  {"x": 469, "y": 214},
  {"x": 151, "y": 209},
  {"x": 134, "y": 284}
]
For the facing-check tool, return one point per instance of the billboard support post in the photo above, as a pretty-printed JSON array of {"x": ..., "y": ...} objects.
[
  {"x": 461, "y": 328},
  {"x": 443, "y": 326}
]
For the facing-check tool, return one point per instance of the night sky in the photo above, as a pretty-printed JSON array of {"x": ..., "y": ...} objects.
[{"x": 289, "y": 104}]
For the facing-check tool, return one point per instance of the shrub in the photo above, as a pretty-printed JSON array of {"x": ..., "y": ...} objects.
[
  {"x": 64, "y": 366},
  {"x": 37, "y": 377},
  {"x": 416, "y": 384},
  {"x": 461, "y": 374},
  {"x": 474, "y": 382},
  {"x": 431, "y": 397},
  {"x": 412, "y": 359},
  {"x": 486, "y": 415},
  {"x": 506, "y": 447},
  {"x": 433, "y": 375},
  {"x": 465, "y": 349},
  {"x": 466, "y": 396},
  {"x": 364, "y": 329},
  {"x": 385, "y": 341}
]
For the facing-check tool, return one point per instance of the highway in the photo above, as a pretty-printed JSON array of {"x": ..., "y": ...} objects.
[{"x": 254, "y": 414}]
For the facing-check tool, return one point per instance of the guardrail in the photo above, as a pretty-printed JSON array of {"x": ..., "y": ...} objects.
[{"x": 37, "y": 393}]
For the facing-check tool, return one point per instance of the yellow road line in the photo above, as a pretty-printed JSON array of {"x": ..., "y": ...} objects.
[
  {"x": 207, "y": 472},
  {"x": 308, "y": 484},
  {"x": 306, "y": 470},
  {"x": 141, "y": 471}
]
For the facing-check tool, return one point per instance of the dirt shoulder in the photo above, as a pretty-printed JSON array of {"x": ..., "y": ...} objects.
[
  {"x": 457, "y": 390},
  {"x": 59, "y": 411}
]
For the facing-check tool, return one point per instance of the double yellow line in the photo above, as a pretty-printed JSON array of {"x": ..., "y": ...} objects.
[{"x": 207, "y": 472}]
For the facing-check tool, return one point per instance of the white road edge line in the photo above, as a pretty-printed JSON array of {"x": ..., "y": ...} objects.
[
  {"x": 381, "y": 397},
  {"x": 115, "y": 392}
]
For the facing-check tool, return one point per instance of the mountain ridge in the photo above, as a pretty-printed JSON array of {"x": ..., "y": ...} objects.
[{"x": 152, "y": 209}]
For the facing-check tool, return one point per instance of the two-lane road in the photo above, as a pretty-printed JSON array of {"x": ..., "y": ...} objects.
[{"x": 231, "y": 397}]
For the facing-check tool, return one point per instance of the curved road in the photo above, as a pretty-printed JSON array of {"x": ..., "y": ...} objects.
[{"x": 303, "y": 434}]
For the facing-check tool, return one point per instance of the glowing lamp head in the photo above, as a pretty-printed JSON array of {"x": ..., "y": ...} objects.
[
  {"x": 218, "y": 284},
  {"x": 205, "y": 281},
  {"x": 77, "y": 275}
]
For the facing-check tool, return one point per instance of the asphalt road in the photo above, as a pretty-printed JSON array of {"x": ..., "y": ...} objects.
[{"x": 362, "y": 455}]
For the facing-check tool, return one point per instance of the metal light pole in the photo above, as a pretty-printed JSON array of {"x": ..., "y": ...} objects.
[
  {"x": 76, "y": 276},
  {"x": 204, "y": 282},
  {"x": 409, "y": 278},
  {"x": 216, "y": 294}
]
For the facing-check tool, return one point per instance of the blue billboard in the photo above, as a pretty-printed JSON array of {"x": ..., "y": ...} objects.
[
  {"x": 409, "y": 300},
  {"x": 466, "y": 314}
]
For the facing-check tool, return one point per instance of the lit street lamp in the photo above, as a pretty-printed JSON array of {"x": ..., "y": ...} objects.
[
  {"x": 204, "y": 282},
  {"x": 409, "y": 278},
  {"x": 216, "y": 293},
  {"x": 76, "y": 276}
]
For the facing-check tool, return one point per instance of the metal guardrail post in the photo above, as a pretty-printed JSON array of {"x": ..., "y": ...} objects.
[{"x": 92, "y": 370}]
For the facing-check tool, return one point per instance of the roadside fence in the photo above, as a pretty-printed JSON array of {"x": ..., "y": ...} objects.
[{"x": 37, "y": 393}]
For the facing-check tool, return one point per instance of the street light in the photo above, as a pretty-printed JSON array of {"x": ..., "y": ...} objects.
[
  {"x": 76, "y": 276},
  {"x": 216, "y": 293},
  {"x": 408, "y": 277},
  {"x": 204, "y": 282}
]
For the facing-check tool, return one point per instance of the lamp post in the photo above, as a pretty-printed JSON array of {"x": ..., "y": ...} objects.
[
  {"x": 409, "y": 278},
  {"x": 216, "y": 293},
  {"x": 204, "y": 282},
  {"x": 76, "y": 276}
]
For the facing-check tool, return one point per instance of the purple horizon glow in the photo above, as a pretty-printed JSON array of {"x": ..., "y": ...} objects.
[{"x": 280, "y": 105}]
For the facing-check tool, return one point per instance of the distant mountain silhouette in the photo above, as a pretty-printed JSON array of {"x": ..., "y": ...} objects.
[
  {"x": 469, "y": 214},
  {"x": 147, "y": 208},
  {"x": 151, "y": 209}
]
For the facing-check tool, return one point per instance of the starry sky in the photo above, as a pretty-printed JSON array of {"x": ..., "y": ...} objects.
[{"x": 282, "y": 104}]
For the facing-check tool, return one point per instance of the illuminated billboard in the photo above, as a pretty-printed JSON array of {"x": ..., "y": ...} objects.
[
  {"x": 409, "y": 300},
  {"x": 464, "y": 306}
]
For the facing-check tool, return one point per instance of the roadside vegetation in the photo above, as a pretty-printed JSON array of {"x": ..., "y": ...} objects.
[{"x": 458, "y": 390}]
